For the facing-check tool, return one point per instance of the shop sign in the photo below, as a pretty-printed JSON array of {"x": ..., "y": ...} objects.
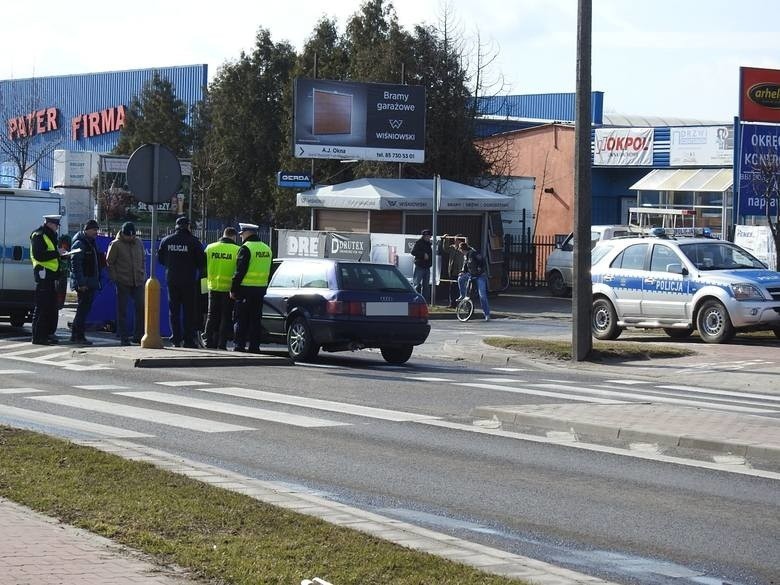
[
  {"x": 759, "y": 94},
  {"x": 697, "y": 146},
  {"x": 623, "y": 147},
  {"x": 97, "y": 123},
  {"x": 32, "y": 124},
  {"x": 759, "y": 148}
]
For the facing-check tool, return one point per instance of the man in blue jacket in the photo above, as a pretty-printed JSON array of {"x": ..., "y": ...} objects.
[
  {"x": 182, "y": 255},
  {"x": 85, "y": 268}
]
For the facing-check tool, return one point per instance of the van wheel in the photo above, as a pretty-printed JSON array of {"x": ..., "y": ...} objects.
[
  {"x": 18, "y": 318},
  {"x": 678, "y": 333},
  {"x": 397, "y": 355},
  {"x": 603, "y": 322},
  {"x": 557, "y": 287},
  {"x": 300, "y": 343},
  {"x": 714, "y": 323}
]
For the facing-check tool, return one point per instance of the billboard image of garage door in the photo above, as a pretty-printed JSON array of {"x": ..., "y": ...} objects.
[{"x": 362, "y": 121}]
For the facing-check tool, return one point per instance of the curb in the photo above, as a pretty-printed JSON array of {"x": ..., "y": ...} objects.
[{"x": 129, "y": 359}]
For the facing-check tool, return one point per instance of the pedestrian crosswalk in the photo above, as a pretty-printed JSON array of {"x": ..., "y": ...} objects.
[{"x": 61, "y": 356}]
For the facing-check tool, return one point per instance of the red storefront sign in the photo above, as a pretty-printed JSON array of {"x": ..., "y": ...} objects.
[{"x": 759, "y": 94}]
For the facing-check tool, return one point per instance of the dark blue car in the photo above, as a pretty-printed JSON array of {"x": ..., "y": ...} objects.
[{"x": 340, "y": 305}]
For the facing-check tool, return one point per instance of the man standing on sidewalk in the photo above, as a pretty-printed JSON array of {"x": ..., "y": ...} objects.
[
  {"x": 250, "y": 281},
  {"x": 126, "y": 268},
  {"x": 182, "y": 255},
  {"x": 45, "y": 258},
  {"x": 84, "y": 278},
  {"x": 221, "y": 259},
  {"x": 423, "y": 260}
]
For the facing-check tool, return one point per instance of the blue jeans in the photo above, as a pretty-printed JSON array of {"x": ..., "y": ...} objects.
[
  {"x": 421, "y": 280},
  {"x": 481, "y": 282},
  {"x": 123, "y": 295}
]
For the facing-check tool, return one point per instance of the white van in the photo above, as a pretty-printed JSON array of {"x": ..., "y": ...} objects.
[
  {"x": 21, "y": 212},
  {"x": 558, "y": 270}
]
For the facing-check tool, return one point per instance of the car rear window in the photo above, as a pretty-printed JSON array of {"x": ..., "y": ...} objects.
[{"x": 377, "y": 277}]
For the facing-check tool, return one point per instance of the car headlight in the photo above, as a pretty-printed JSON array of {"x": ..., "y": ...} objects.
[{"x": 747, "y": 292}]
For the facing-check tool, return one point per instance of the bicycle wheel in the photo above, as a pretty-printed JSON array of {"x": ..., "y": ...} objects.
[{"x": 464, "y": 310}]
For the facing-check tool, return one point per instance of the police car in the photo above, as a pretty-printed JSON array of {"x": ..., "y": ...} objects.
[{"x": 679, "y": 285}]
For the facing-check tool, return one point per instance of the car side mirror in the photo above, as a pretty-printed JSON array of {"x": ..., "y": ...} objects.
[{"x": 676, "y": 269}]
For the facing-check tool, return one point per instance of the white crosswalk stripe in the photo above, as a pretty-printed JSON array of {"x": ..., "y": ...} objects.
[
  {"x": 235, "y": 409},
  {"x": 18, "y": 390},
  {"x": 547, "y": 394},
  {"x": 21, "y": 415},
  {"x": 145, "y": 414}
]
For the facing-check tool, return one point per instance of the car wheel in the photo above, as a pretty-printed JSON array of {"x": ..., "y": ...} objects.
[
  {"x": 777, "y": 332},
  {"x": 17, "y": 318},
  {"x": 679, "y": 333},
  {"x": 557, "y": 287},
  {"x": 714, "y": 323},
  {"x": 397, "y": 354},
  {"x": 300, "y": 343},
  {"x": 604, "y": 320}
]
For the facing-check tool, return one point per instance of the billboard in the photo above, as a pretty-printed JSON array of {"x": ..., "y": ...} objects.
[
  {"x": 362, "y": 121},
  {"x": 697, "y": 146},
  {"x": 759, "y": 146},
  {"x": 759, "y": 94},
  {"x": 623, "y": 147}
]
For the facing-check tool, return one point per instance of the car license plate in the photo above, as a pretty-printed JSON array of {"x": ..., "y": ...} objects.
[{"x": 387, "y": 309}]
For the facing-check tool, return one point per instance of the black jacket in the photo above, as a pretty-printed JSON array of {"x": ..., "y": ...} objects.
[
  {"x": 473, "y": 263},
  {"x": 41, "y": 253},
  {"x": 420, "y": 249},
  {"x": 85, "y": 266},
  {"x": 183, "y": 257}
]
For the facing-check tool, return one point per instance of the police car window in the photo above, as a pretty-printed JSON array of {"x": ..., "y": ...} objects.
[
  {"x": 632, "y": 258},
  {"x": 661, "y": 257},
  {"x": 314, "y": 276},
  {"x": 288, "y": 275},
  {"x": 714, "y": 255}
]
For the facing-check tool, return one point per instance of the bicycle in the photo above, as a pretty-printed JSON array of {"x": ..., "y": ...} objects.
[{"x": 464, "y": 310}]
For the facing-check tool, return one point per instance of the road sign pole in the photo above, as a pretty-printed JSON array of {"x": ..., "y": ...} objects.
[{"x": 151, "y": 338}]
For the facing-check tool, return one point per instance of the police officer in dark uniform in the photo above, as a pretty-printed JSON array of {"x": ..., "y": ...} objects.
[
  {"x": 250, "y": 282},
  {"x": 45, "y": 256},
  {"x": 221, "y": 259},
  {"x": 182, "y": 255}
]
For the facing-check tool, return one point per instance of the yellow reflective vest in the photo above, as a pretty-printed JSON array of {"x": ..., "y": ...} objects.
[
  {"x": 260, "y": 259},
  {"x": 220, "y": 265},
  {"x": 54, "y": 263}
]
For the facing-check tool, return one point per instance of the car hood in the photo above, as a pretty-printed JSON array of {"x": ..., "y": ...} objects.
[{"x": 765, "y": 278}]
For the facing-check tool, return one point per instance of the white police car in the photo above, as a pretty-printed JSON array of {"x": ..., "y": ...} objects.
[{"x": 679, "y": 285}]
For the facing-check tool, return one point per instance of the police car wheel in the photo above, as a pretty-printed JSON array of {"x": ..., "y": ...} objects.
[
  {"x": 604, "y": 320},
  {"x": 714, "y": 323},
  {"x": 678, "y": 333}
]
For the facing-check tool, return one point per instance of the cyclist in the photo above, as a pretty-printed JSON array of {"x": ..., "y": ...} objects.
[{"x": 474, "y": 268}]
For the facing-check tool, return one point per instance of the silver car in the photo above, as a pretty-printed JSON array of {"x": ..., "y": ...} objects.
[{"x": 679, "y": 285}]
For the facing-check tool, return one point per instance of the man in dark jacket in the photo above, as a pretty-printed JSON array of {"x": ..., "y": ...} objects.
[
  {"x": 423, "y": 260},
  {"x": 247, "y": 289},
  {"x": 45, "y": 258},
  {"x": 84, "y": 278},
  {"x": 182, "y": 255},
  {"x": 474, "y": 268}
]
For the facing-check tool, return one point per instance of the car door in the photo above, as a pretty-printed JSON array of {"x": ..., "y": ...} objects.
[
  {"x": 665, "y": 294},
  {"x": 283, "y": 284},
  {"x": 624, "y": 277}
]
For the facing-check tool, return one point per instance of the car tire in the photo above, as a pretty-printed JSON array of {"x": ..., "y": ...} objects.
[
  {"x": 603, "y": 322},
  {"x": 300, "y": 342},
  {"x": 678, "y": 333},
  {"x": 714, "y": 323},
  {"x": 397, "y": 355},
  {"x": 18, "y": 318},
  {"x": 777, "y": 332},
  {"x": 557, "y": 287}
]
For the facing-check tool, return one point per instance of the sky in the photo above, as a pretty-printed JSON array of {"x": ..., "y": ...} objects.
[{"x": 677, "y": 58}]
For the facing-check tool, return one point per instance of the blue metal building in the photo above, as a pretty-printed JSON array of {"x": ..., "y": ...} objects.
[{"x": 80, "y": 112}]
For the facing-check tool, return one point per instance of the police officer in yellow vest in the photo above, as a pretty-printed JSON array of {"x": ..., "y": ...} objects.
[
  {"x": 45, "y": 256},
  {"x": 221, "y": 259},
  {"x": 250, "y": 281}
]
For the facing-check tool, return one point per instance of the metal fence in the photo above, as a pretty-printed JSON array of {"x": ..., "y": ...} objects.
[{"x": 525, "y": 257}]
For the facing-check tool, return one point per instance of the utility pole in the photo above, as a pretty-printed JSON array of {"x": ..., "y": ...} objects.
[{"x": 582, "y": 342}]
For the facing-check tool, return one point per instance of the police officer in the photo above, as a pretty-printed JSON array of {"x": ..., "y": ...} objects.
[
  {"x": 250, "y": 281},
  {"x": 182, "y": 255},
  {"x": 221, "y": 259},
  {"x": 45, "y": 256}
]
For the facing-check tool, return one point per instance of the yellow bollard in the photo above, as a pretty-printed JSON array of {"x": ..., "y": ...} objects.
[{"x": 151, "y": 338}]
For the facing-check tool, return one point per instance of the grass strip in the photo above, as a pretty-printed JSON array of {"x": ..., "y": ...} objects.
[
  {"x": 602, "y": 350},
  {"x": 218, "y": 535}
]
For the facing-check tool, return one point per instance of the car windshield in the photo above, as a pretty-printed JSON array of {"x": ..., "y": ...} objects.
[
  {"x": 715, "y": 255},
  {"x": 601, "y": 250},
  {"x": 378, "y": 277}
]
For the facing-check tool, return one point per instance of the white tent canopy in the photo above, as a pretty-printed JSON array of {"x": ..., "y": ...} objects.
[{"x": 403, "y": 195}]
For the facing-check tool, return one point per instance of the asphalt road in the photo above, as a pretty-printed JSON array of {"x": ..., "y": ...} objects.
[{"x": 627, "y": 519}]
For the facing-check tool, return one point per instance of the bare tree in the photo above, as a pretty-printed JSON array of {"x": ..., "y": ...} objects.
[
  {"x": 765, "y": 179},
  {"x": 29, "y": 135}
]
